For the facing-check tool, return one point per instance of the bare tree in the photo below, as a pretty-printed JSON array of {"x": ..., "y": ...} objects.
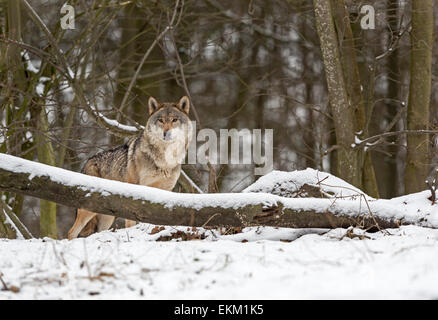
[
  {"x": 418, "y": 147},
  {"x": 343, "y": 117}
]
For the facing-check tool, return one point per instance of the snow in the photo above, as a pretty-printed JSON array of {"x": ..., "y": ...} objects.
[
  {"x": 316, "y": 264},
  {"x": 356, "y": 141},
  {"x": 115, "y": 123},
  {"x": 283, "y": 183},
  {"x": 152, "y": 262},
  {"x": 40, "y": 89},
  {"x": 28, "y": 63}
]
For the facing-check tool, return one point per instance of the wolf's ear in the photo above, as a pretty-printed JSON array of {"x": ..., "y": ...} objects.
[
  {"x": 184, "y": 104},
  {"x": 153, "y": 105}
]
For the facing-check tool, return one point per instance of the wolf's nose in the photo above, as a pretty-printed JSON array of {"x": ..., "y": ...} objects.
[{"x": 166, "y": 135}]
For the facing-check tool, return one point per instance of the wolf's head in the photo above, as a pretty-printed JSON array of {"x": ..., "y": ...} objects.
[{"x": 169, "y": 121}]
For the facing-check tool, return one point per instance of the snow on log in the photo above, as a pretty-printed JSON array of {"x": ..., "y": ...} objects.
[{"x": 146, "y": 204}]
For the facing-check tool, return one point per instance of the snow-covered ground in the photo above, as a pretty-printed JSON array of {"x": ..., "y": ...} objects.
[
  {"x": 152, "y": 262},
  {"x": 257, "y": 263}
]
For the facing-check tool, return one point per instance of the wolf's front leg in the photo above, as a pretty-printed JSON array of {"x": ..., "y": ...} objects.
[
  {"x": 104, "y": 222},
  {"x": 82, "y": 218},
  {"x": 130, "y": 223}
]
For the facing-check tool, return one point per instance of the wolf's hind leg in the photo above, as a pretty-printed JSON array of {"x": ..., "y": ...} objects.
[
  {"x": 82, "y": 218},
  {"x": 130, "y": 223},
  {"x": 104, "y": 222}
]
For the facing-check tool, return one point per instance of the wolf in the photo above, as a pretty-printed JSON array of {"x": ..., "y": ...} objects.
[{"x": 151, "y": 159}]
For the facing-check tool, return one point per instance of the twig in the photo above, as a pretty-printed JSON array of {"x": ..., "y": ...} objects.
[
  {"x": 209, "y": 219},
  {"x": 190, "y": 182},
  {"x": 394, "y": 43},
  {"x": 393, "y": 133},
  {"x": 331, "y": 149},
  {"x": 5, "y": 287}
]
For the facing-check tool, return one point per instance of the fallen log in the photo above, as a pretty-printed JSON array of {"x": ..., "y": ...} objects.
[{"x": 151, "y": 205}]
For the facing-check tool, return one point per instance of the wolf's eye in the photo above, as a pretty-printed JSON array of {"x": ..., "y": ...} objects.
[
  {"x": 160, "y": 121},
  {"x": 174, "y": 120}
]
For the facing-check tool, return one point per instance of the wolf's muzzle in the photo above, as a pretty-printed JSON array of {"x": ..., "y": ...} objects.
[{"x": 167, "y": 135}]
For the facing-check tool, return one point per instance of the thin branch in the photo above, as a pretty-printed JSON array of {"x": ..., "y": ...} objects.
[
  {"x": 394, "y": 43},
  {"x": 389, "y": 134},
  {"x": 331, "y": 149}
]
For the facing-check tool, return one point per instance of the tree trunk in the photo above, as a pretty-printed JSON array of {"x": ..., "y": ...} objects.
[
  {"x": 309, "y": 135},
  {"x": 15, "y": 137},
  {"x": 343, "y": 117},
  {"x": 390, "y": 170},
  {"x": 354, "y": 92},
  {"x": 418, "y": 157},
  {"x": 46, "y": 155}
]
